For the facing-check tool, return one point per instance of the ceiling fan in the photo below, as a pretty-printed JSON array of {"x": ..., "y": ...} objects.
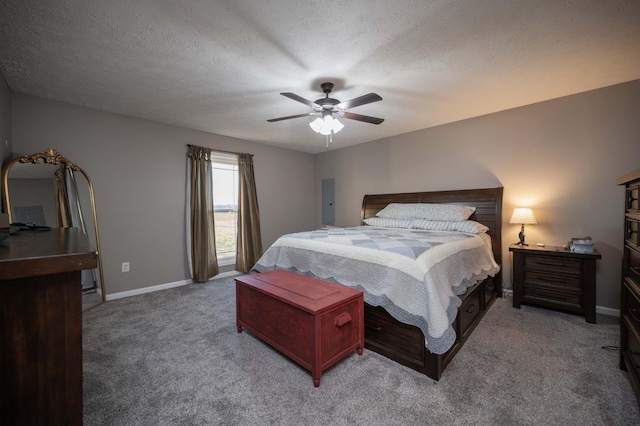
[{"x": 329, "y": 109}]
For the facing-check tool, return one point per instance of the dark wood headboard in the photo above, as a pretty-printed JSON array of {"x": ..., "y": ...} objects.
[{"x": 488, "y": 204}]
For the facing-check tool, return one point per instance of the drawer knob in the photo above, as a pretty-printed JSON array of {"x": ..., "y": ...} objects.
[
  {"x": 472, "y": 308},
  {"x": 343, "y": 319}
]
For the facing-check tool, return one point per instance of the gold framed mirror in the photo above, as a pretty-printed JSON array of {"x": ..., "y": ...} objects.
[{"x": 48, "y": 190}]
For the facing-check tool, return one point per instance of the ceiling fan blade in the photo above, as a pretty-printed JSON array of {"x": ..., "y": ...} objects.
[
  {"x": 365, "y": 118},
  {"x": 306, "y": 114},
  {"x": 300, "y": 99},
  {"x": 365, "y": 99}
]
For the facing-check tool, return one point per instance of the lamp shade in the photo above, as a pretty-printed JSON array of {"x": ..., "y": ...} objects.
[{"x": 523, "y": 216}]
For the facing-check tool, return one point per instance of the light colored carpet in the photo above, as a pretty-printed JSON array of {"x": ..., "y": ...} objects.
[{"x": 174, "y": 357}]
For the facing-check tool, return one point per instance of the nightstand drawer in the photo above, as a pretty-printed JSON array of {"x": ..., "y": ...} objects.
[
  {"x": 558, "y": 264},
  {"x": 552, "y": 280},
  {"x": 545, "y": 294}
]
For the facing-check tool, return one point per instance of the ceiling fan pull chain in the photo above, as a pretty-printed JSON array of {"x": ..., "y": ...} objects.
[{"x": 329, "y": 139}]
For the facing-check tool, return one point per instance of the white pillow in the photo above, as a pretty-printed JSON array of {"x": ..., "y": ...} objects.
[
  {"x": 468, "y": 226},
  {"x": 449, "y": 212},
  {"x": 389, "y": 223}
]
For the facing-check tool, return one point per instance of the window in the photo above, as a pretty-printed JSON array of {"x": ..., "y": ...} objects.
[{"x": 225, "y": 205}]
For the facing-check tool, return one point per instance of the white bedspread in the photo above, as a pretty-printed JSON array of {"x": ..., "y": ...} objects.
[{"x": 415, "y": 275}]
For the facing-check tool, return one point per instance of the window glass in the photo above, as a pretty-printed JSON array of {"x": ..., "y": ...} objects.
[{"x": 225, "y": 203}]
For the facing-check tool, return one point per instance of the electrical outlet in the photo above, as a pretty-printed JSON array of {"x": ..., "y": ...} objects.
[{"x": 125, "y": 266}]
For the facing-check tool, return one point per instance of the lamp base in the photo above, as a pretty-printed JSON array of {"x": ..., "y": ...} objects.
[{"x": 521, "y": 235}]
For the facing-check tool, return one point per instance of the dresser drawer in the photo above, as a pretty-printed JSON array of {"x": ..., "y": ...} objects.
[
  {"x": 632, "y": 203},
  {"x": 632, "y": 307},
  {"x": 555, "y": 264},
  {"x": 631, "y": 268},
  {"x": 631, "y": 349},
  {"x": 569, "y": 282},
  {"x": 631, "y": 232}
]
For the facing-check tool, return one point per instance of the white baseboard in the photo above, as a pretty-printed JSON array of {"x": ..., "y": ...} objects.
[
  {"x": 608, "y": 311},
  {"x": 166, "y": 286},
  {"x": 508, "y": 292}
]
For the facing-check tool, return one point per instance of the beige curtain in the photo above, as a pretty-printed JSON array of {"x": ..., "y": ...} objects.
[
  {"x": 204, "y": 263},
  {"x": 249, "y": 242}
]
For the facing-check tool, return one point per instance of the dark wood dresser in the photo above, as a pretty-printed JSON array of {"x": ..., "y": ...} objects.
[
  {"x": 554, "y": 277},
  {"x": 630, "y": 291},
  {"x": 41, "y": 326}
]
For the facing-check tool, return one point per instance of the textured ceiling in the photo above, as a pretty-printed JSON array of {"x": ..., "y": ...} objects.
[{"x": 218, "y": 66}]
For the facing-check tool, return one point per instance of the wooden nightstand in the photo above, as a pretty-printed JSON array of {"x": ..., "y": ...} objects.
[{"x": 556, "y": 278}]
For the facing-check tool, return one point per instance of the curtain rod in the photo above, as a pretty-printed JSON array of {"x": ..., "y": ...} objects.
[{"x": 219, "y": 150}]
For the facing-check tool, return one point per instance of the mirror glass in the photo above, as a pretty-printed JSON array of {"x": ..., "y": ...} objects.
[{"x": 48, "y": 190}]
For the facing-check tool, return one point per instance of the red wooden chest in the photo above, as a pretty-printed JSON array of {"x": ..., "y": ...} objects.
[{"x": 313, "y": 322}]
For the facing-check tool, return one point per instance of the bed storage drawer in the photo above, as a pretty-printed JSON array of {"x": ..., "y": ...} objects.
[
  {"x": 490, "y": 292},
  {"x": 388, "y": 335},
  {"x": 468, "y": 314}
]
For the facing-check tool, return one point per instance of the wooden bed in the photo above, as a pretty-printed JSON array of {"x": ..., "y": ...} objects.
[{"x": 405, "y": 343}]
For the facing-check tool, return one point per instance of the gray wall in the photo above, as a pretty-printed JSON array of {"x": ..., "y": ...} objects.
[
  {"x": 138, "y": 169},
  {"x": 560, "y": 157}
]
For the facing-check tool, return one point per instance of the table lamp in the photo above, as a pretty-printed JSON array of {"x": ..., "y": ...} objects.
[{"x": 523, "y": 217}]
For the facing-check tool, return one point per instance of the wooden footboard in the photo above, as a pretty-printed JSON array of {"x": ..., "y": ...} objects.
[{"x": 405, "y": 343}]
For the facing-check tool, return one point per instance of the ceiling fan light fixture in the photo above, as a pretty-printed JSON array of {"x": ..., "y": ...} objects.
[
  {"x": 326, "y": 125},
  {"x": 316, "y": 124},
  {"x": 337, "y": 126}
]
